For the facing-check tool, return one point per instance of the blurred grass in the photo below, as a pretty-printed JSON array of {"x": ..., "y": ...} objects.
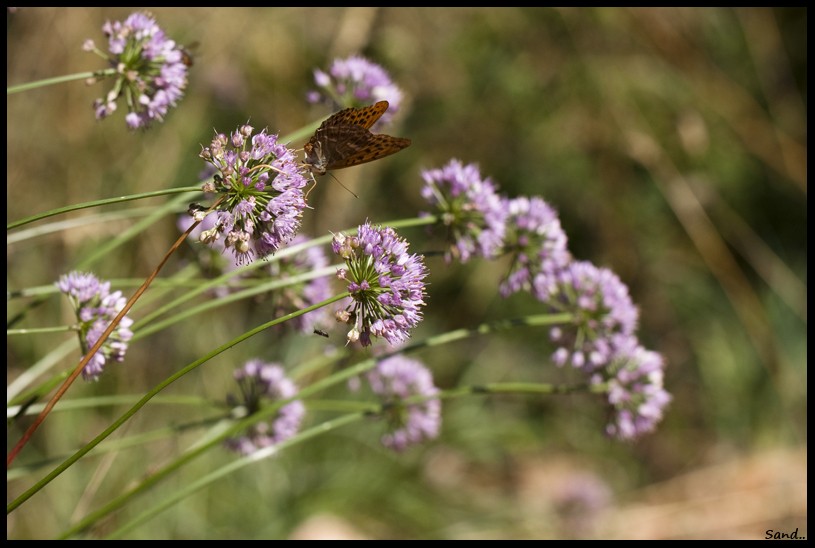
[{"x": 671, "y": 141}]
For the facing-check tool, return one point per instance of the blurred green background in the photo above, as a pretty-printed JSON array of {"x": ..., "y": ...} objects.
[{"x": 671, "y": 141}]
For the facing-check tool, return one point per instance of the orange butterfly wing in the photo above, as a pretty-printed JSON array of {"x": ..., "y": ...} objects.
[
  {"x": 364, "y": 117},
  {"x": 344, "y": 140}
]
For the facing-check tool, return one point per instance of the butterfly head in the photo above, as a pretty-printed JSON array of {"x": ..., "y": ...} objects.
[{"x": 315, "y": 159}]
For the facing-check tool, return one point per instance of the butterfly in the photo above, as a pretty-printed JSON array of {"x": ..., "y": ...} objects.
[{"x": 344, "y": 139}]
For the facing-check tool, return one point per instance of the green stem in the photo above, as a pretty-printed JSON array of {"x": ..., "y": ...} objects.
[
  {"x": 336, "y": 378},
  {"x": 60, "y": 79},
  {"x": 232, "y": 467},
  {"x": 224, "y": 278},
  {"x": 96, "y": 203},
  {"x": 35, "y": 330},
  {"x": 152, "y": 326},
  {"x": 149, "y": 395}
]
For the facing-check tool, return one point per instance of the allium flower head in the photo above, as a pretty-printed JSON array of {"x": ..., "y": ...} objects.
[
  {"x": 355, "y": 82},
  {"x": 386, "y": 284},
  {"x": 538, "y": 245},
  {"x": 603, "y": 310},
  {"x": 95, "y": 308},
  {"x": 636, "y": 394},
  {"x": 260, "y": 383},
  {"x": 151, "y": 73},
  {"x": 261, "y": 187},
  {"x": 470, "y": 211},
  {"x": 394, "y": 380}
]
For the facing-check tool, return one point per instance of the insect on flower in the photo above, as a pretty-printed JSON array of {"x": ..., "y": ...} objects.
[{"x": 344, "y": 139}]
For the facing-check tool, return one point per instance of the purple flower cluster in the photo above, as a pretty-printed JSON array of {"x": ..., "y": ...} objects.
[
  {"x": 538, "y": 245},
  {"x": 355, "y": 82},
  {"x": 261, "y": 381},
  {"x": 386, "y": 284},
  {"x": 635, "y": 389},
  {"x": 95, "y": 308},
  {"x": 395, "y": 380},
  {"x": 151, "y": 72},
  {"x": 469, "y": 209},
  {"x": 603, "y": 315},
  {"x": 601, "y": 342},
  {"x": 261, "y": 193},
  {"x": 480, "y": 223}
]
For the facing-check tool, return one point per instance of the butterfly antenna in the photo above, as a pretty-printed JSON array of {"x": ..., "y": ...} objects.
[{"x": 342, "y": 185}]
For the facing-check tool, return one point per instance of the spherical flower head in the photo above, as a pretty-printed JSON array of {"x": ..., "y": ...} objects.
[
  {"x": 261, "y": 383},
  {"x": 602, "y": 310},
  {"x": 538, "y": 246},
  {"x": 95, "y": 308},
  {"x": 151, "y": 73},
  {"x": 260, "y": 189},
  {"x": 396, "y": 379},
  {"x": 386, "y": 284},
  {"x": 636, "y": 393},
  {"x": 469, "y": 209},
  {"x": 355, "y": 82}
]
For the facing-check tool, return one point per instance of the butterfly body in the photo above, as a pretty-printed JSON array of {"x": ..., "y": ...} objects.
[{"x": 344, "y": 139}]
